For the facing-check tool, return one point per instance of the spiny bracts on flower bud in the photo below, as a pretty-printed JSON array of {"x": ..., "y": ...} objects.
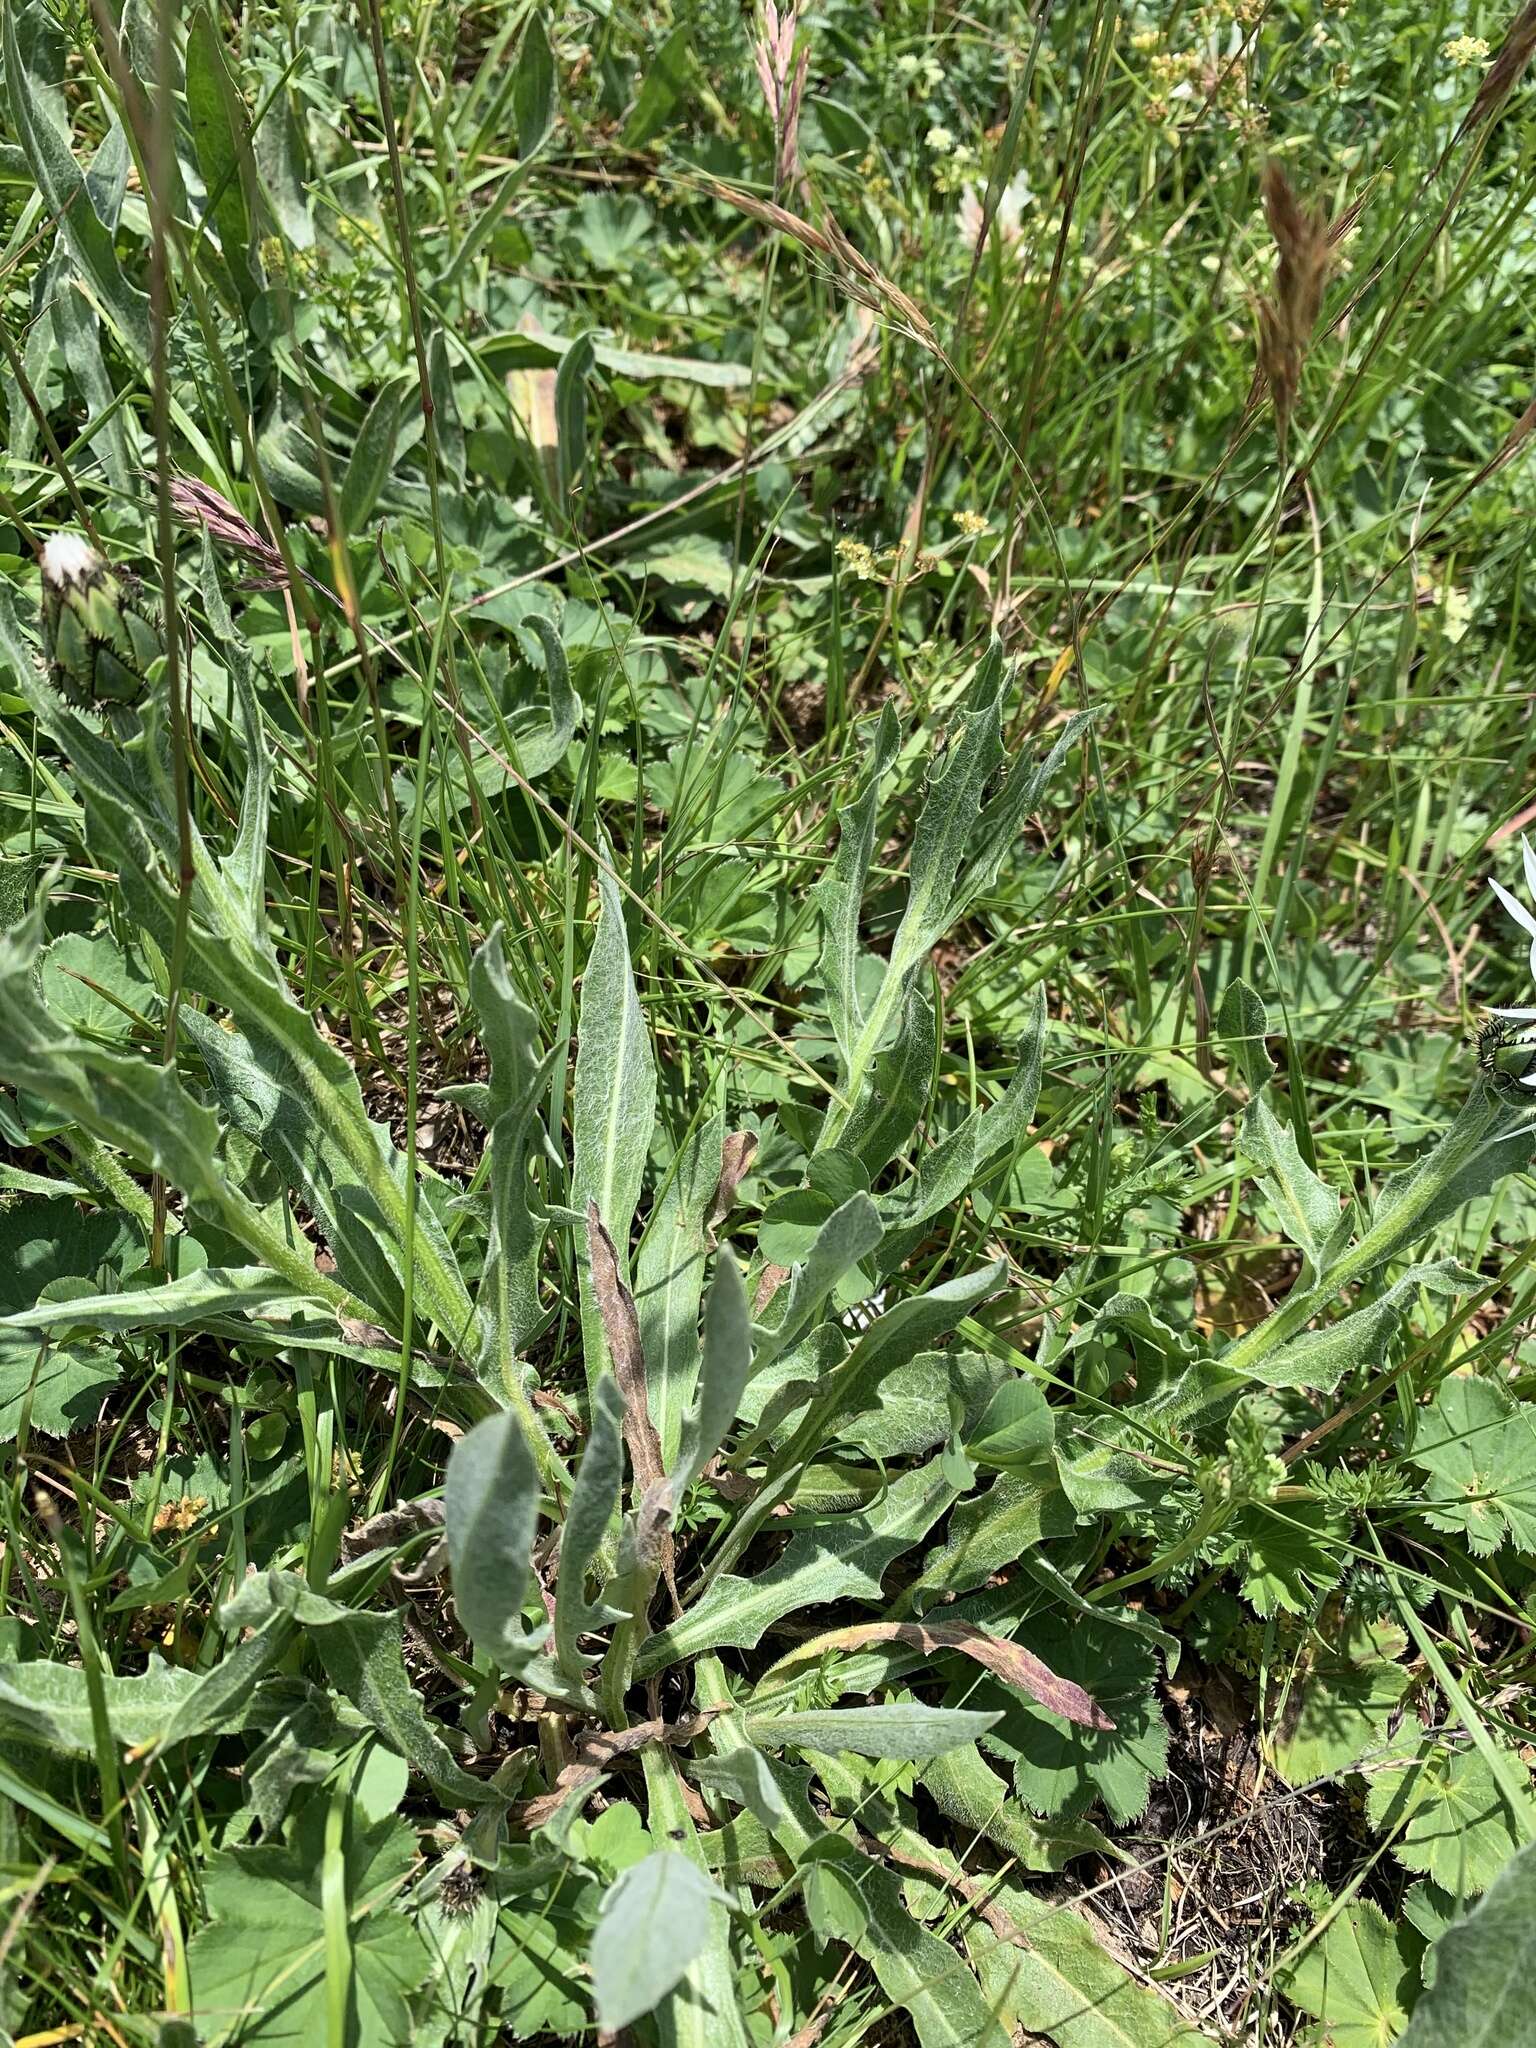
[{"x": 99, "y": 635}]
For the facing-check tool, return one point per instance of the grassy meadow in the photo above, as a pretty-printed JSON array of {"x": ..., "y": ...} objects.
[{"x": 766, "y": 1220}]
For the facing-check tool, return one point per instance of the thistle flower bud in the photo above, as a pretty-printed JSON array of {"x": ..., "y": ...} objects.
[{"x": 98, "y": 634}]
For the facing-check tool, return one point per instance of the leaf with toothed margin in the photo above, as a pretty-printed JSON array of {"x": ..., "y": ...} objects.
[{"x": 1059, "y": 1768}]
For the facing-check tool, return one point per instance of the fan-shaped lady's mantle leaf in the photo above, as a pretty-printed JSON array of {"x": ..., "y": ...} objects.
[
  {"x": 1477, "y": 1450},
  {"x": 1358, "y": 1978},
  {"x": 258, "y": 1971}
]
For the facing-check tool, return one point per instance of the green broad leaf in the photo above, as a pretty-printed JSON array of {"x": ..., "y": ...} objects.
[
  {"x": 88, "y": 983},
  {"x": 1359, "y": 1978},
  {"x": 576, "y": 367},
  {"x": 917, "y": 1973},
  {"x": 362, "y": 1657},
  {"x": 703, "y": 2009},
  {"x": 1308, "y": 1208},
  {"x": 519, "y": 350},
  {"x": 906, "y": 1731},
  {"x": 669, "y": 1281},
  {"x": 1447, "y": 1814},
  {"x": 1017, "y": 1434},
  {"x": 726, "y": 1363},
  {"x": 491, "y": 1512},
  {"x": 138, "y": 1106},
  {"x": 1339, "y": 1701},
  {"x": 1320, "y": 1359},
  {"x": 538, "y": 1961},
  {"x": 508, "y": 1305},
  {"x": 893, "y": 1106},
  {"x": 742, "y": 1776},
  {"x": 184, "y": 1304},
  {"x": 842, "y": 1558},
  {"x": 61, "y": 183},
  {"x": 1055, "y": 1978},
  {"x": 1490, "y": 1139},
  {"x": 1061, "y": 1767},
  {"x": 221, "y": 136},
  {"x": 614, "y": 1103},
  {"x": 665, "y": 78},
  {"x": 1480, "y": 1994},
  {"x": 279, "y": 1080},
  {"x": 1244, "y": 1025},
  {"x": 946, "y": 1174},
  {"x": 889, "y": 1341},
  {"x": 534, "y": 98},
  {"x": 78, "y": 332},
  {"x": 840, "y": 892},
  {"x": 922, "y": 1976},
  {"x": 373, "y": 456},
  {"x": 847, "y": 1236},
  {"x": 653, "y": 1922},
  {"x": 593, "y": 1506},
  {"x": 912, "y": 1409},
  {"x": 992, "y": 1529},
  {"x": 258, "y": 1971},
  {"x": 1477, "y": 1450},
  {"x": 57, "y": 1389},
  {"x": 50, "y": 1704},
  {"x": 1287, "y": 1556},
  {"x": 965, "y": 1788}
]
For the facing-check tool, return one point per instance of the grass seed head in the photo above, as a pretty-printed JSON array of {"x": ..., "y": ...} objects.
[{"x": 1304, "y": 254}]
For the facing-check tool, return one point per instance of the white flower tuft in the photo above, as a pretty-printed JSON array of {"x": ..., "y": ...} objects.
[
  {"x": 68, "y": 558},
  {"x": 1516, "y": 909}
]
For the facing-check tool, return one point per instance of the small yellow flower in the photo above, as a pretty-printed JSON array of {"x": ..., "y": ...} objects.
[
  {"x": 858, "y": 560},
  {"x": 1146, "y": 39},
  {"x": 971, "y": 523},
  {"x": 1464, "y": 50},
  {"x": 939, "y": 139}
]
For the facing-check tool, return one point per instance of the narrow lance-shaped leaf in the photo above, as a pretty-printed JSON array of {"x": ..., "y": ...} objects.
[
  {"x": 491, "y": 1509},
  {"x": 614, "y": 1105},
  {"x": 143, "y": 1110},
  {"x": 1320, "y": 1359},
  {"x": 280, "y": 1081},
  {"x": 920, "y": 1974},
  {"x": 539, "y": 751},
  {"x": 727, "y": 1363},
  {"x": 509, "y": 1290},
  {"x": 907, "y": 1731},
  {"x": 221, "y": 135},
  {"x": 62, "y": 185},
  {"x": 839, "y": 894},
  {"x": 594, "y": 1503},
  {"x": 845, "y": 1558},
  {"x": 1307, "y": 1206},
  {"x": 669, "y": 1280}
]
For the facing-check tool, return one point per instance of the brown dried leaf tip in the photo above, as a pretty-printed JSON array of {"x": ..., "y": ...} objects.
[{"x": 1304, "y": 255}]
